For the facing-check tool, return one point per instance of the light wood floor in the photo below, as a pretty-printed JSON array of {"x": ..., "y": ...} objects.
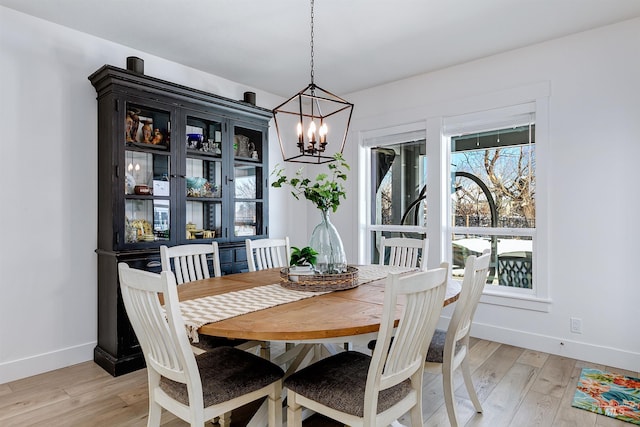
[{"x": 517, "y": 387}]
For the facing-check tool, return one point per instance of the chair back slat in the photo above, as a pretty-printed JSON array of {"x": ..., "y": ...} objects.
[
  {"x": 191, "y": 262},
  {"x": 422, "y": 296},
  {"x": 267, "y": 253},
  {"x": 404, "y": 252}
]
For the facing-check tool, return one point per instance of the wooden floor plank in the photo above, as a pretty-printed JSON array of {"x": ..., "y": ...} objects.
[
  {"x": 24, "y": 402},
  {"x": 567, "y": 415},
  {"x": 554, "y": 376},
  {"x": 533, "y": 358},
  {"x": 503, "y": 402},
  {"x": 5, "y": 389},
  {"x": 536, "y": 409}
]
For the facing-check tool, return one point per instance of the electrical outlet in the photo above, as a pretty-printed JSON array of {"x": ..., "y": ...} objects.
[{"x": 576, "y": 325}]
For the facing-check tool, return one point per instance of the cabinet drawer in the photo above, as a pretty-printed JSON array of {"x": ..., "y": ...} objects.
[{"x": 150, "y": 263}]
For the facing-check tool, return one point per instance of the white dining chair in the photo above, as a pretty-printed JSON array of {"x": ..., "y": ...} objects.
[
  {"x": 267, "y": 253},
  {"x": 404, "y": 252},
  {"x": 193, "y": 388},
  {"x": 450, "y": 348},
  {"x": 191, "y": 262},
  {"x": 361, "y": 390}
]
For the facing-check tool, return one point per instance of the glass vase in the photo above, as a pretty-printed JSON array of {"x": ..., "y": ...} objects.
[{"x": 326, "y": 241}]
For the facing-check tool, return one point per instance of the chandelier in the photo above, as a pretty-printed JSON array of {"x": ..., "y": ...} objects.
[{"x": 311, "y": 120}]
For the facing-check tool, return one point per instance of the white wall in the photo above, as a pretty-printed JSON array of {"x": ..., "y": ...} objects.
[
  {"x": 48, "y": 181},
  {"x": 593, "y": 203}
]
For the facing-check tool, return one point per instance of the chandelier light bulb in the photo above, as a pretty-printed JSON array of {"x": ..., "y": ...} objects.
[
  {"x": 323, "y": 133},
  {"x": 130, "y": 167},
  {"x": 312, "y": 131}
]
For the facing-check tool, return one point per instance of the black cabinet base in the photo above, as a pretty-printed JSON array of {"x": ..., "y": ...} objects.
[{"x": 117, "y": 367}]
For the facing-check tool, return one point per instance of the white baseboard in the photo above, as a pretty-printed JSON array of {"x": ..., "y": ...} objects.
[
  {"x": 559, "y": 346},
  {"x": 34, "y": 365}
]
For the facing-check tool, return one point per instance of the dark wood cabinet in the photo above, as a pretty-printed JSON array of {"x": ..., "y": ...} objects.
[{"x": 175, "y": 166}]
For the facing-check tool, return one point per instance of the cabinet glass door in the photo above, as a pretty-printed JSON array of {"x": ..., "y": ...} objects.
[
  {"x": 248, "y": 182},
  {"x": 248, "y": 204},
  {"x": 146, "y": 177},
  {"x": 203, "y": 179}
]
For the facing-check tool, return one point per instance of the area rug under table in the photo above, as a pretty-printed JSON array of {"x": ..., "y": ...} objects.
[{"x": 609, "y": 394}]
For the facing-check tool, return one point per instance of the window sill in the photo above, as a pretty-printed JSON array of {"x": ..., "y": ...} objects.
[{"x": 525, "y": 302}]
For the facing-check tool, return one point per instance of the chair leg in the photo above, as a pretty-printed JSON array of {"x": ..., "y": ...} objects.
[
  {"x": 265, "y": 350},
  {"x": 449, "y": 398},
  {"x": 155, "y": 413},
  {"x": 155, "y": 410},
  {"x": 466, "y": 373},
  {"x": 416, "y": 415},
  {"x": 224, "y": 420},
  {"x": 294, "y": 411},
  {"x": 275, "y": 408}
]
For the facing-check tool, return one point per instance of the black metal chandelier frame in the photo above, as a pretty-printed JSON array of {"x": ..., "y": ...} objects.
[{"x": 309, "y": 105}]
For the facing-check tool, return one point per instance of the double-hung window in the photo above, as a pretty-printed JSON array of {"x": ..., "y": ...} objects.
[
  {"x": 493, "y": 198},
  {"x": 398, "y": 170}
]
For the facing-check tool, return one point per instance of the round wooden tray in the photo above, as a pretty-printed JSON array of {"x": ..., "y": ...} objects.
[{"x": 320, "y": 282}]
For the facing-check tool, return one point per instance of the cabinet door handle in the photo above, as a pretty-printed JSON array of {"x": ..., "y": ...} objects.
[
  {"x": 227, "y": 180},
  {"x": 154, "y": 264}
]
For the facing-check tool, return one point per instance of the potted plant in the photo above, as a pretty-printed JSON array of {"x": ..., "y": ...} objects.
[
  {"x": 302, "y": 259},
  {"x": 325, "y": 193}
]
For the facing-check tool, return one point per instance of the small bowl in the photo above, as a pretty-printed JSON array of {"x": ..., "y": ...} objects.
[
  {"x": 195, "y": 137},
  {"x": 142, "y": 190}
]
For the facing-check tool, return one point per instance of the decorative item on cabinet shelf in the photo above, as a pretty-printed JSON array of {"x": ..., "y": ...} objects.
[
  {"x": 200, "y": 187},
  {"x": 243, "y": 147},
  {"x": 129, "y": 184},
  {"x": 142, "y": 190},
  {"x": 139, "y": 131},
  {"x": 194, "y": 141},
  {"x": 147, "y": 131},
  {"x": 138, "y": 230},
  {"x": 194, "y": 233}
]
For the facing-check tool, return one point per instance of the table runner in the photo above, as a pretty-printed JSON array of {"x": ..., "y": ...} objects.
[{"x": 200, "y": 311}]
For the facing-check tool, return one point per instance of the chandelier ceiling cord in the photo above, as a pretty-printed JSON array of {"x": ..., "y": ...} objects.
[{"x": 324, "y": 116}]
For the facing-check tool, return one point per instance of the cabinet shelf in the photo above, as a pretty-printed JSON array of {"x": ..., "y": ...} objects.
[
  {"x": 206, "y": 154},
  {"x": 145, "y": 147}
]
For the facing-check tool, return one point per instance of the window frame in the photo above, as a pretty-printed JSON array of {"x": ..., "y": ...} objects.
[{"x": 380, "y": 138}]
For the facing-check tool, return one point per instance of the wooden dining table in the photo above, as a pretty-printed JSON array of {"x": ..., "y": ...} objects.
[
  {"x": 329, "y": 317},
  {"x": 314, "y": 327}
]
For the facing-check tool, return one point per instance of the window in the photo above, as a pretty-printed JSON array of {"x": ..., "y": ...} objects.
[
  {"x": 397, "y": 187},
  {"x": 493, "y": 204}
]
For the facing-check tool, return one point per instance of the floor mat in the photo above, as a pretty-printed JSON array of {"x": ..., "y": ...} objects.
[{"x": 606, "y": 393}]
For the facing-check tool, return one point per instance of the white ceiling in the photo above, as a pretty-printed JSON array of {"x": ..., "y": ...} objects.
[{"x": 358, "y": 43}]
